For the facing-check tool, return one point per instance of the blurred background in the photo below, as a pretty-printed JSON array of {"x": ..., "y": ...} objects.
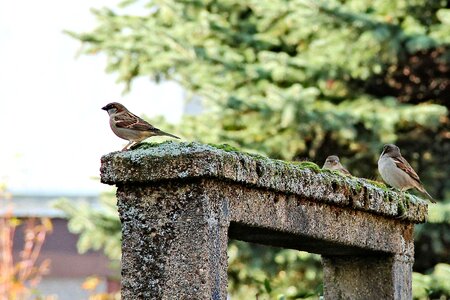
[{"x": 290, "y": 79}]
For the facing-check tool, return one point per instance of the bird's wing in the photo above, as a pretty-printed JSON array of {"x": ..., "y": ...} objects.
[
  {"x": 131, "y": 121},
  {"x": 345, "y": 171},
  {"x": 403, "y": 165}
]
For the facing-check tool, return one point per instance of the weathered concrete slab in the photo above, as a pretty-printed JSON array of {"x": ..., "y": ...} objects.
[
  {"x": 192, "y": 160},
  {"x": 179, "y": 203}
]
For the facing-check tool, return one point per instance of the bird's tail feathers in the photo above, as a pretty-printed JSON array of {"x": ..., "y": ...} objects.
[
  {"x": 160, "y": 132},
  {"x": 422, "y": 189}
]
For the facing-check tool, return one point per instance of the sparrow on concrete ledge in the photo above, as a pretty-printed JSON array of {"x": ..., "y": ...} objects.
[
  {"x": 332, "y": 163},
  {"x": 130, "y": 127},
  {"x": 397, "y": 172}
]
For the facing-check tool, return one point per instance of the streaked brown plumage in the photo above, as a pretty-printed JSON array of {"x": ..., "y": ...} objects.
[
  {"x": 130, "y": 127},
  {"x": 397, "y": 172}
]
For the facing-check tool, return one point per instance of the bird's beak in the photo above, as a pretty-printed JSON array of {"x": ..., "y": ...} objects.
[{"x": 104, "y": 108}]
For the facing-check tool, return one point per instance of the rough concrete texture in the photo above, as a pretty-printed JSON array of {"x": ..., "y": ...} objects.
[
  {"x": 192, "y": 160},
  {"x": 179, "y": 203},
  {"x": 174, "y": 243},
  {"x": 294, "y": 222},
  {"x": 366, "y": 277}
]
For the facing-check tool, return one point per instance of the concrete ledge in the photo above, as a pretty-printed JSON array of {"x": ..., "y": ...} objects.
[{"x": 171, "y": 160}]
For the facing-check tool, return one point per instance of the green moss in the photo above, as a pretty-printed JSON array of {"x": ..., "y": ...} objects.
[
  {"x": 357, "y": 187},
  {"x": 229, "y": 148},
  {"x": 410, "y": 198},
  {"x": 303, "y": 165},
  {"x": 407, "y": 200},
  {"x": 334, "y": 172},
  {"x": 257, "y": 156},
  {"x": 225, "y": 147},
  {"x": 377, "y": 183},
  {"x": 348, "y": 185},
  {"x": 307, "y": 165},
  {"x": 403, "y": 204},
  {"x": 401, "y": 210},
  {"x": 388, "y": 197}
]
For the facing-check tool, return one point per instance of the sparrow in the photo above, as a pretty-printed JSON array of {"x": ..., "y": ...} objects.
[
  {"x": 130, "y": 127},
  {"x": 397, "y": 172},
  {"x": 332, "y": 163}
]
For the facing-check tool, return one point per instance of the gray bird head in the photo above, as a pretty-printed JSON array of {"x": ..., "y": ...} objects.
[
  {"x": 391, "y": 150},
  {"x": 331, "y": 161},
  {"x": 114, "y": 107}
]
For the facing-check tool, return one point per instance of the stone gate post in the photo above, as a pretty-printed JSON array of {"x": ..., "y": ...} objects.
[{"x": 179, "y": 203}]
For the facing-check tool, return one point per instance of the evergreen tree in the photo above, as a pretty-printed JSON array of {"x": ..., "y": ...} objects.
[
  {"x": 298, "y": 79},
  {"x": 301, "y": 79}
]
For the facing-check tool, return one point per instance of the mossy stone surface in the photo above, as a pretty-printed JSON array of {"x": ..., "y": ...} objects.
[
  {"x": 172, "y": 160},
  {"x": 180, "y": 203}
]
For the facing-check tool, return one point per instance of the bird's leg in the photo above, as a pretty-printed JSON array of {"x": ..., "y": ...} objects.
[
  {"x": 129, "y": 144},
  {"x": 137, "y": 144}
]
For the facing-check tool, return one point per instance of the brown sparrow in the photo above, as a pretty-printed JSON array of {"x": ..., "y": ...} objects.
[
  {"x": 397, "y": 172},
  {"x": 332, "y": 163},
  {"x": 130, "y": 127}
]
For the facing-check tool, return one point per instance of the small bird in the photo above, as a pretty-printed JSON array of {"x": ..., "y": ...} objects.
[
  {"x": 332, "y": 163},
  {"x": 130, "y": 127},
  {"x": 397, "y": 172}
]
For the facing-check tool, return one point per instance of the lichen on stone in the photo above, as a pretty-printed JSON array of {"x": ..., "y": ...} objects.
[
  {"x": 331, "y": 172},
  {"x": 173, "y": 159},
  {"x": 377, "y": 184}
]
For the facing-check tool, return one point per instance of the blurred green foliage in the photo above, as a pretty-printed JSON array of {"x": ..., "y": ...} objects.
[
  {"x": 272, "y": 273},
  {"x": 433, "y": 286},
  {"x": 98, "y": 227},
  {"x": 432, "y": 240},
  {"x": 301, "y": 80}
]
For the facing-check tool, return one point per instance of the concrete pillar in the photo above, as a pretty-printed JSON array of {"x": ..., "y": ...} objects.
[
  {"x": 174, "y": 243},
  {"x": 367, "y": 277}
]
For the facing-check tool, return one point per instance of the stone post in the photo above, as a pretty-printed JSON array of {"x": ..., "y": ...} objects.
[
  {"x": 367, "y": 277},
  {"x": 174, "y": 242},
  {"x": 179, "y": 204}
]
